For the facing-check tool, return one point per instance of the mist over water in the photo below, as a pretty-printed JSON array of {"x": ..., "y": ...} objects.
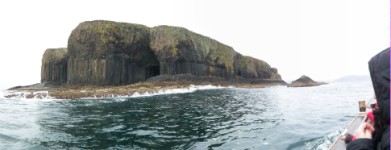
[{"x": 269, "y": 118}]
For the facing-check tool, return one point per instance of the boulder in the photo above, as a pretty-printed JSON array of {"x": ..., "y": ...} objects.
[
  {"x": 305, "y": 81},
  {"x": 54, "y": 66}
]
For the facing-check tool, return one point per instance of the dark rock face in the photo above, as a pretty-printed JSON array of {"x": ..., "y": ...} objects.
[
  {"x": 181, "y": 51},
  {"x": 305, "y": 81},
  {"x": 109, "y": 53},
  {"x": 54, "y": 66},
  {"x": 248, "y": 67},
  {"x": 112, "y": 53}
]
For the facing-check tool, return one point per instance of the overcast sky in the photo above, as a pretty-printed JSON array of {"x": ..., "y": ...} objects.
[{"x": 324, "y": 39}]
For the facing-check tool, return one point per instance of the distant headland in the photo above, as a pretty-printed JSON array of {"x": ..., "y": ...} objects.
[{"x": 120, "y": 58}]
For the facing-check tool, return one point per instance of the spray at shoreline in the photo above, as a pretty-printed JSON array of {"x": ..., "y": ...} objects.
[{"x": 45, "y": 94}]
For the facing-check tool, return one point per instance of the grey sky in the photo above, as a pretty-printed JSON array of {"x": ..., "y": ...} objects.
[{"x": 322, "y": 39}]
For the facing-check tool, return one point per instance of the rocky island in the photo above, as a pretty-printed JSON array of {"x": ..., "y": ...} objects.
[
  {"x": 305, "y": 81},
  {"x": 105, "y": 58}
]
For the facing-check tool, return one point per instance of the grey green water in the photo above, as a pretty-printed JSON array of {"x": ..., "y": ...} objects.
[{"x": 269, "y": 118}]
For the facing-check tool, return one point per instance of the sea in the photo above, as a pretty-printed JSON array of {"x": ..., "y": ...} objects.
[{"x": 201, "y": 117}]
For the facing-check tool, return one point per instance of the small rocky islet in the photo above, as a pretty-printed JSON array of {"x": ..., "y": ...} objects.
[
  {"x": 305, "y": 81},
  {"x": 106, "y": 58}
]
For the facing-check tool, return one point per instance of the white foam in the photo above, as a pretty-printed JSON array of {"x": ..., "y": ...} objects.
[
  {"x": 26, "y": 95},
  {"x": 190, "y": 89},
  {"x": 45, "y": 95},
  {"x": 326, "y": 141}
]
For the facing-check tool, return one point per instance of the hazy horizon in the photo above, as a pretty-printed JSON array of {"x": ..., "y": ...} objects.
[{"x": 324, "y": 40}]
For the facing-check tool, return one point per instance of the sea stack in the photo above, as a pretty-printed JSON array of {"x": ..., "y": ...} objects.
[{"x": 305, "y": 81}]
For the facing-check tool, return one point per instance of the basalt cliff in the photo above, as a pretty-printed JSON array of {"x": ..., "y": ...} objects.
[
  {"x": 105, "y": 58},
  {"x": 113, "y": 53}
]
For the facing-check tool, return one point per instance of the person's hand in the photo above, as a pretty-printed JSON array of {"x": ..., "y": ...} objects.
[
  {"x": 364, "y": 131},
  {"x": 368, "y": 110}
]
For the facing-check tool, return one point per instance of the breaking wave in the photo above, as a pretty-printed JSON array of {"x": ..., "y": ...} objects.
[
  {"x": 25, "y": 95},
  {"x": 45, "y": 94},
  {"x": 325, "y": 142},
  {"x": 190, "y": 89}
]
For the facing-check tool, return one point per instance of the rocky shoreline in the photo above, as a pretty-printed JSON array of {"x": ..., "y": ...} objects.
[{"x": 153, "y": 85}]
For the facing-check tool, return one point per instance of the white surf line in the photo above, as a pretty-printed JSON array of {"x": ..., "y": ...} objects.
[
  {"x": 45, "y": 94},
  {"x": 26, "y": 95},
  {"x": 190, "y": 89}
]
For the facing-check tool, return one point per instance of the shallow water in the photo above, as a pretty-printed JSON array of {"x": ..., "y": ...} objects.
[{"x": 269, "y": 118}]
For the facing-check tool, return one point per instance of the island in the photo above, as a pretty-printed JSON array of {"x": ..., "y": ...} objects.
[
  {"x": 114, "y": 58},
  {"x": 305, "y": 81}
]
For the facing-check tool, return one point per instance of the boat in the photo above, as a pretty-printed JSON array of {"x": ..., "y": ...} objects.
[
  {"x": 339, "y": 143},
  {"x": 361, "y": 117}
]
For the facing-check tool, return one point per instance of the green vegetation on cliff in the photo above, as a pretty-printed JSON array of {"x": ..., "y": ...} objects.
[
  {"x": 100, "y": 39},
  {"x": 54, "y": 55}
]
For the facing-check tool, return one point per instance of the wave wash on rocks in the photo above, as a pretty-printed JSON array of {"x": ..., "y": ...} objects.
[{"x": 113, "y": 53}]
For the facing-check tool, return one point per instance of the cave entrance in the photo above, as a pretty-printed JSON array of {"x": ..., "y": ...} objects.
[{"x": 152, "y": 71}]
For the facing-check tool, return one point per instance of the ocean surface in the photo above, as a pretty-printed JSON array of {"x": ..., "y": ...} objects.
[{"x": 210, "y": 118}]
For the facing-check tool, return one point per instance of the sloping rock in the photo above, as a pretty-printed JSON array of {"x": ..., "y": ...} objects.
[
  {"x": 305, "y": 81},
  {"x": 248, "y": 67}
]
